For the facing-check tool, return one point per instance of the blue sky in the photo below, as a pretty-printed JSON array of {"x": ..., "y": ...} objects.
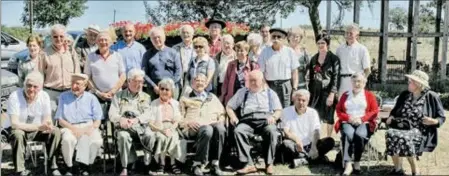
[{"x": 101, "y": 13}]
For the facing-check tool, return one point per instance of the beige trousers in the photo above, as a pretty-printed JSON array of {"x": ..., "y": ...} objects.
[{"x": 69, "y": 143}]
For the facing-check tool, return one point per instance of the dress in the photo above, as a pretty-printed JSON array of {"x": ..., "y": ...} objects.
[{"x": 406, "y": 143}]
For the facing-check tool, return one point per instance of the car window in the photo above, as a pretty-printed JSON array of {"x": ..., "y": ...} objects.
[
  {"x": 81, "y": 40},
  {"x": 9, "y": 39},
  {"x": 3, "y": 40}
]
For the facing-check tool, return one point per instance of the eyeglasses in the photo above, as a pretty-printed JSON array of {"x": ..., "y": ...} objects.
[
  {"x": 198, "y": 47},
  {"x": 164, "y": 89},
  {"x": 58, "y": 36},
  {"x": 276, "y": 36},
  {"x": 31, "y": 86}
]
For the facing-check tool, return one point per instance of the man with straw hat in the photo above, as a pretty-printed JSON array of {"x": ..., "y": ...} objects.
[{"x": 89, "y": 45}]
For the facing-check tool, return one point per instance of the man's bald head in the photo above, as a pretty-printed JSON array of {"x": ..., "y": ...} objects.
[
  {"x": 256, "y": 80},
  {"x": 128, "y": 32}
]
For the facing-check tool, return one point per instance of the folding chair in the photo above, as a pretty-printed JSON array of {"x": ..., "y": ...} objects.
[{"x": 32, "y": 148}]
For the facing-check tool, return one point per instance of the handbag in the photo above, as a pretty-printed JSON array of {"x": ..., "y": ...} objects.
[{"x": 401, "y": 124}]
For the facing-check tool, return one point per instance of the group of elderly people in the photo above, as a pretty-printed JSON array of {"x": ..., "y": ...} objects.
[{"x": 162, "y": 97}]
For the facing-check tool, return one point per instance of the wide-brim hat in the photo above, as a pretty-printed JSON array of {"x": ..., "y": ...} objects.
[
  {"x": 278, "y": 30},
  {"x": 220, "y": 22},
  {"x": 93, "y": 28},
  {"x": 420, "y": 77}
]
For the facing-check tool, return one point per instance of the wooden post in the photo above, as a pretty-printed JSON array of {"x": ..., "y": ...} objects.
[
  {"x": 356, "y": 18},
  {"x": 409, "y": 39},
  {"x": 30, "y": 8},
  {"x": 383, "y": 45},
  {"x": 414, "y": 57},
  {"x": 328, "y": 17},
  {"x": 436, "y": 48},
  {"x": 445, "y": 33}
]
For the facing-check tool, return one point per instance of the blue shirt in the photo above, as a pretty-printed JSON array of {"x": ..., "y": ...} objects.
[
  {"x": 202, "y": 96},
  {"x": 132, "y": 55},
  {"x": 161, "y": 64},
  {"x": 78, "y": 109}
]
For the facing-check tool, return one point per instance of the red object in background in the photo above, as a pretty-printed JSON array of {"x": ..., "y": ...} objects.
[{"x": 317, "y": 68}]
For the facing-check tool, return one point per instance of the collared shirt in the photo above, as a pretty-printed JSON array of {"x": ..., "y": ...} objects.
[
  {"x": 356, "y": 104},
  {"x": 265, "y": 45},
  {"x": 202, "y": 96},
  {"x": 302, "y": 126},
  {"x": 203, "y": 65},
  {"x": 166, "y": 111},
  {"x": 161, "y": 64},
  {"x": 125, "y": 101},
  {"x": 132, "y": 55},
  {"x": 187, "y": 53},
  {"x": 59, "y": 67},
  {"x": 29, "y": 65},
  {"x": 215, "y": 47},
  {"x": 78, "y": 109},
  {"x": 33, "y": 113},
  {"x": 159, "y": 110},
  {"x": 278, "y": 65},
  {"x": 255, "y": 102},
  {"x": 223, "y": 65},
  {"x": 353, "y": 58},
  {"x": 105, "y": 73}
]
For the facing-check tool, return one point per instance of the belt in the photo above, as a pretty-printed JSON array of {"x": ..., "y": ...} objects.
[
  {"x": 57, "y": 90},
  {"x": 80, "y": 122},
  {"x": 278, "y": 82},
  {"x": 345, "y": 75},
  {"x": 255, "y": 113}
]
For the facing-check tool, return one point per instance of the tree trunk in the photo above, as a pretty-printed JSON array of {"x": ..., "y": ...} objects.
[{"x": 315, "y": 19}]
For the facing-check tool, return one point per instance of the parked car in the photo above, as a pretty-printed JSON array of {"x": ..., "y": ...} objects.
[
  {"x": 10, "y": 46},
  {"x": 9, "y": 83},
  {"x": 78, "y": 36}
]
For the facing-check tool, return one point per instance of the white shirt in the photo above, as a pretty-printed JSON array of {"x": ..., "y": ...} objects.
[
  {"x": 356, "y": 104},
  {"x": 353, "y": 58},
  {"x": 302, "y": 126},
  {"x": 278, "y": 65},
  {"x": 37, "y": 110},
  {"x": 223, "y": 65}
]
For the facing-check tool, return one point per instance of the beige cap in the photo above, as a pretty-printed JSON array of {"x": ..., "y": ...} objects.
[{"x": 80, "y": 75}]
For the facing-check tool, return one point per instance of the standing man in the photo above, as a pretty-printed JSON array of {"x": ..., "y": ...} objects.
[
  {"x": 354, "y": 58},
  {"x": 132, "y": 51},
  {"x": 215, "y": 27},
  {"x": 79, "y": 114},
  {"x": 89, "y": 45},
  {"x": 59, "y": 66},
  {"x": 161, "y": 62},
  {"x": 185, "y": 49},
  {"x": 265, "y": 33},
  {"x": 280, "y": 67}
]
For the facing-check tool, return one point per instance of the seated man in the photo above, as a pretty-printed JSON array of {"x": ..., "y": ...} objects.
[
  {"x": 29, "y": 109},
  {"x": 130, "y": 112},
  {"x": 260, "y": 109},
  {"x": 301, "y": 126},
  {"x": 79, "y": 114},
  {"x": 204, "y": 121}
]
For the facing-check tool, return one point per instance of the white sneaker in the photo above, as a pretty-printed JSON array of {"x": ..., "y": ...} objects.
[{"x": 146, "y": 158}]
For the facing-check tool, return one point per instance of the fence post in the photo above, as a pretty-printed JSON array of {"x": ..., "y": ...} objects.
[
  {"x": 445, "y": 33},
  {"x": 383, "y": 44}
]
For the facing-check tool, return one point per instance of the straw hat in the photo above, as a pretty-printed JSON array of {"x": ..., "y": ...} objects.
[
  {"x": 420, "y": 77},
  {"x": 93, "y": 28}
]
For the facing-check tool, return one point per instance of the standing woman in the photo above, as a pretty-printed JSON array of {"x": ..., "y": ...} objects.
[
  {"x": 33, "y": 62},
  {"x": 236, "y": 76},
  {"x": 295, "y": 37},
  {"x": 255, "y": 46},
  {"x": 324, "y": 69},
  {"x": 413, "y": 123}
]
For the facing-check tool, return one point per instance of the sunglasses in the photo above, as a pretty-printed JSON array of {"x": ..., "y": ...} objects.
[
  {"x": 164, "y": 89},
  {"x": 198, "y": 47},
  {"x": 276, "y": 36},
  {"x": 58, "y": 36}
]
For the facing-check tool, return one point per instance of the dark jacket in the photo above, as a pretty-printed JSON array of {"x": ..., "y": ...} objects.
[
  {"x": 328, "y": 73},
  {"x": 432, "y": 108}
]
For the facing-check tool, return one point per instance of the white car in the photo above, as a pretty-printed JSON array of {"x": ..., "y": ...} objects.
[{"x": 10, "y": 46}]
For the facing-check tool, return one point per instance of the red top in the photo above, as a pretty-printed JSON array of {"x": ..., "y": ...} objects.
[{"x": 371, "y": 111}]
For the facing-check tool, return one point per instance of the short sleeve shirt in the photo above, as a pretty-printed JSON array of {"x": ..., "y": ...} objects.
[
  {"x": 278, "y": 65},
  {"x": 302, "y": 126},
  {"x": 353, "y": 58},
  {"x": 255, "y": 102},
  {"x": 32, "y": 113},
  {"x": 104, "y": 73}
]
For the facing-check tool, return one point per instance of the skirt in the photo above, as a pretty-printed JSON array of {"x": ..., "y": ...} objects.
[
  {"x": 168, "y": 145},
  {"x": 404, "y": 143}
]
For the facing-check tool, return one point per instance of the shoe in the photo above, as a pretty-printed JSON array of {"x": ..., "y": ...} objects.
[
  {"x": 24, "y": 173},
  {"x": 247, "y": 170},
  {"x": 85, "y": 173},
  {"x": 397, "y": 172},
  {"x": 175, "y": 169},
  {"x": 68, "y": 173},
  {"x": 357, "y": 172},
  {"x": 215, "y": 170},
  {"x": 196, "y": 170},
  {"x": 124, "y": 172},
  {"x": 269, "y": 170},
  {"x": 56, "y": 172}
]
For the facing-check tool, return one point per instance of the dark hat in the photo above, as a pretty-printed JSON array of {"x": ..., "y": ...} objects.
[
  {"x": 278, "y": 30},
  {"x": 211, "y": 21}
]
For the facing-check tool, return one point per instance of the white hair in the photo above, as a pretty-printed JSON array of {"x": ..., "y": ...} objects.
[
  {"x": 104, "y": 34},
  {"x": 58, "y": 27},
  {"x": 256, "y": 38},
  {"x": 157, "y": 29},
  {"x": 353, "y": 26},
  {"x": 69, "y": 37},
  {"x": 167, "y": 83},
  {"x": 134, "y": 73},
  {"x": 359, "y": 75},
  {"x": 228, "y": 37},
  {"x": 187, "y": 27},
  {"x": 35, "y": 77},
  {"x": 199, "y": 75},
  {"x": 302, "y": 92}
]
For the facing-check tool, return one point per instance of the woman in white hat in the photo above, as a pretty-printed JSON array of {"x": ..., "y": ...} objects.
[{"x": 413, "y": 123}]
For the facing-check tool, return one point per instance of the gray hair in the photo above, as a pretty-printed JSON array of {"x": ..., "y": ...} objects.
[
  {"x": 359, "y": 75},
  {"x": 104, "y": 34},
  {"x": 135, "y": 72},
  {"x": 69, "y": 37},
  {"x": 200, "y": 75},
  {"x": 35, "y": 77},
  {"x": 228, "y": 37},
  {"x": 167, "y": 83},
  {"x": 256, "y": 38},
  {"x": 58, "y": 27},
  {"x": 353, "y": 26},
  {"x": 302, "y": 92},
  {"x": 157, "y": 29},
  {"x": 186, "y": 27}
]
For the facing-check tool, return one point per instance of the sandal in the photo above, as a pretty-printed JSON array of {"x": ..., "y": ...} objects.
[{"x": 175, "y": 169}]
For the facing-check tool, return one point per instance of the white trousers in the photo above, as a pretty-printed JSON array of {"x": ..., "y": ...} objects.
[
  {"x": 69, "y": 143},
  {"x": 345, "y": 85}
]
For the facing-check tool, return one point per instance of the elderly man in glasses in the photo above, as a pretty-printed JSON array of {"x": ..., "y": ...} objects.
[
  {"x": 30, "y": 113},
  {"x": 59, "y": 66},
  {"x": 89, "y": 45},
  {"x": 279, "y": 64},
  {"x": 79, "y": 114}
]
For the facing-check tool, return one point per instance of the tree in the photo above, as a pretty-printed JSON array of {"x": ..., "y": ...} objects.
[
  {"x": 398, "y": 17},
  {"x": 50, "y": 12}
]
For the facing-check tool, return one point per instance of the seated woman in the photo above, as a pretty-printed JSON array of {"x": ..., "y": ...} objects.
[
  {"x": 357, "y": 112},
  {"x": 237, "y": 72},
  {"x": 413, "y": 123},
  {"x": 165, "y": 115}
]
